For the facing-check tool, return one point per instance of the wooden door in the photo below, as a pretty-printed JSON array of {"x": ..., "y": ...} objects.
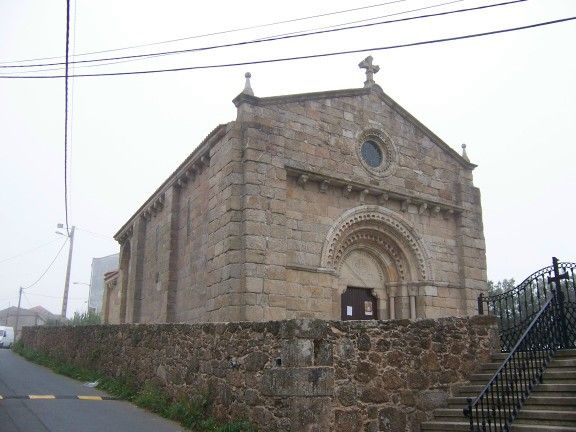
[{"x": 358, "y": 304}]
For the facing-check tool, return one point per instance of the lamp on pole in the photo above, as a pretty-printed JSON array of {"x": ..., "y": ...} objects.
[
  {"x": 70, "y": 235},
  {"x": 89, "y": 288}
]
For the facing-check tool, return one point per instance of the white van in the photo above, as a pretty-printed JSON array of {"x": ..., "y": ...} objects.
[{"x": 6, "y": 336}]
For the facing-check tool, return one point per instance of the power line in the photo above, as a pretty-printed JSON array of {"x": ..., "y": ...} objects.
[
  {"x": 51, "y": 296},
  {"x": 82, "y": 66},
  {"x": 378, "y": 17},
  {"x": 305, "y": 57},
  {"x": 286, "y": 36},
  {"x": 28, "y": 251},
  {"x": 96, "y": 234},
  {"x": 220, "y": 32},
  {"x": 49, "y": 267},
  {"x": 66, "y": 115}
]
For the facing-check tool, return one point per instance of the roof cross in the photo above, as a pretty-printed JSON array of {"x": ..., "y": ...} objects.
[{"x": 370, "y": 70}]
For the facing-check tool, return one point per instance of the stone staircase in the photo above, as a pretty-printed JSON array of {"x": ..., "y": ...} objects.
[{"x": 550, "y": 408}]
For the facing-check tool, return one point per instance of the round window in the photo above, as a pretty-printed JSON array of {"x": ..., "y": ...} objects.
[
  {"x": 372, "y": 154},
  {"x": 376, "y": 152}
]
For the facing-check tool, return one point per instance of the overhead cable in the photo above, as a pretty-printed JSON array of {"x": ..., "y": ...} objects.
[
  {"x": 304, "y": 57},
  {"x": 276, "y": 38},
  {"x": 437, "y": 5},
  {"x": 219, "y": 32},
  {"x": 49, "y": 266},
  {"x": 28, "y": 251}
]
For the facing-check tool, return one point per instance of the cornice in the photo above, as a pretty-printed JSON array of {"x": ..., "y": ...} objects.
[
  {"x": 186, "y": 173},
  {"x": 424, "y": 205}
]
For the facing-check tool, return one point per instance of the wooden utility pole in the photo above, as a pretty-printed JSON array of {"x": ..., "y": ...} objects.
[{"x": 67, "y": 282}]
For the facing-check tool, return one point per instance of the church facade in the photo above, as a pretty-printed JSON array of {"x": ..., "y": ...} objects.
[{"x": 331, "y": 205}]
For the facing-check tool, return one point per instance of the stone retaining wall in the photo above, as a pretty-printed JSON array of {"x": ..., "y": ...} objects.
[{"x": 298, "y": 375}]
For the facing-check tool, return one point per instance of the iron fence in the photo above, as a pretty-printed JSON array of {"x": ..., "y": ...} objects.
[
  {"x": 517, "y": 307},
  {"x": 536, "y": 319}
]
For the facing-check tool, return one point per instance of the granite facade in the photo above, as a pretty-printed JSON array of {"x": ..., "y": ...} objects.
[{"x": 270, "y": 216}]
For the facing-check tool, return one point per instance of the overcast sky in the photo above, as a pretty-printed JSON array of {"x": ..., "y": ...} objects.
[{"x": 510, "y": 97}]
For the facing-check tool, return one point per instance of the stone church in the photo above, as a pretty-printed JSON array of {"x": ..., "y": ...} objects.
[{"x": 333, "y": 205}]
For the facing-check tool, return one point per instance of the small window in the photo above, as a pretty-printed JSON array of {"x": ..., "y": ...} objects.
[{"x": 372, "y": 154}]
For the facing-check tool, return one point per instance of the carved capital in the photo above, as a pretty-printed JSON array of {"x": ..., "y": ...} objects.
[{"x": 404, "y": 205}]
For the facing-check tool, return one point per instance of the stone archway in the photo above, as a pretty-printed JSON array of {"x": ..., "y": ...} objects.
[{"x": 371, "y": 247}]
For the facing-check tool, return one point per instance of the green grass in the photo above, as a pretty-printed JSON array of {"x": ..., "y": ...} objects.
[{"x": 193, "y": 413}]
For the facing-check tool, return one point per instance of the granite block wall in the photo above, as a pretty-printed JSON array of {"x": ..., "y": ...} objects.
[{"x": 295, "y": 375}]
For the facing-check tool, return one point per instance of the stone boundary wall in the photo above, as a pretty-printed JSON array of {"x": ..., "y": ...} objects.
[{"x": 297, "y": 375}]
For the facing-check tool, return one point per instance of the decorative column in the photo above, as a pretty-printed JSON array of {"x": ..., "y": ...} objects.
[{"x": 412, "y": 307}]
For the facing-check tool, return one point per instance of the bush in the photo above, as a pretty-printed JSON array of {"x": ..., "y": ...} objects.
[{"x": 86, "y": 318}]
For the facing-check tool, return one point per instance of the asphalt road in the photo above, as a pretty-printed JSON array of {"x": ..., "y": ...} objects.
[{"x": 20, "y": 378}]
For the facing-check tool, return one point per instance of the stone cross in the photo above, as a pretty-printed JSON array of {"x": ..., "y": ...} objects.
[{"x": 370, "y": 70}]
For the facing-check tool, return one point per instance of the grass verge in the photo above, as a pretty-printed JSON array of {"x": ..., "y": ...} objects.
[{"x": 193, "y": 414}]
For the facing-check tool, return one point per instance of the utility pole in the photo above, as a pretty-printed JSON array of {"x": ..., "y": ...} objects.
[
  {"x": 67, "y": 282},
  {"x": 18, "y": 313}
]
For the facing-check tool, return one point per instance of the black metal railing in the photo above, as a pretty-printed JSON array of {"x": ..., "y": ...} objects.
[
  {"x": 537, "y": 319},
  {"x": 500, "y": 401},
  {"x": 517, "y": 307}
]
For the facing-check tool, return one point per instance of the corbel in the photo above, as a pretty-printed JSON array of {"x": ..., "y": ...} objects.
[
  {"x": 302, "y": 180},
  {"x": 181, "y": 182},
  {"x": 347, "y": 190},
  {"x": 404, "y": 204},
  {"x": 363, "y": 195},
  {"x": 324, "y": 185}
]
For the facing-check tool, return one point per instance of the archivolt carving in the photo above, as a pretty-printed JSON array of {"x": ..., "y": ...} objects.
[
  {"x": 358, "y": 239},
  {"x": 377, "y": 225}
]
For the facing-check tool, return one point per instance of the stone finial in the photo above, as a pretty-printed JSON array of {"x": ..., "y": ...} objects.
[
  {"x": 370, "y": 70},
  {"x": 464, "y": 155},
  {"x": 247, "y": 88}
]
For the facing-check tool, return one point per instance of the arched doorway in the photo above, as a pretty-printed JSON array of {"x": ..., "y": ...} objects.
[
  {"x": 361, "y": 275},
  {"x": 379, "y": 262}
]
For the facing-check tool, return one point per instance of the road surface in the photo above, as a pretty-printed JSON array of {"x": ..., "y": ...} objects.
[{"x": 20, "y": 378}]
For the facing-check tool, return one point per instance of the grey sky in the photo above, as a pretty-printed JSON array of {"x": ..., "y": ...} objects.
[{"x": 511, "y": 98}]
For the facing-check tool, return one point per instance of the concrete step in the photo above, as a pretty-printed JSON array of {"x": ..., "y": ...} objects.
[
  {"x": 473, "y": 390},
  {"x": 536, "y": 402},
  {"x": 465, "y": 427},
  {"x": 558, "y": 375},
  {"x": 533, "y": 403},
  {"x": 563, "y": 365},
  {"x": 546, "y": 417},
  {"x": 555, "y": 390},
  {"x": 559, "y": 354},
  {"x": 551, "y": 417}
]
